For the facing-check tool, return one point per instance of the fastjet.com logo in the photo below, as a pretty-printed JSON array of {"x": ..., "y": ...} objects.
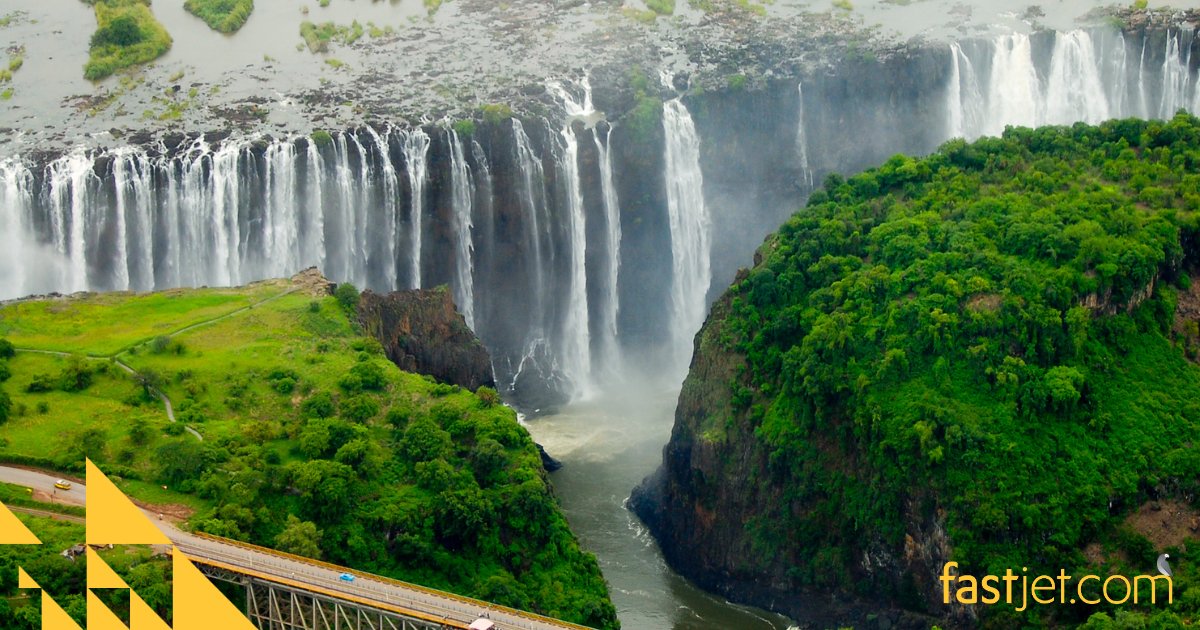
[
  {"x": 1023, "y": 590},
  {"x": 112, "y": 519}
]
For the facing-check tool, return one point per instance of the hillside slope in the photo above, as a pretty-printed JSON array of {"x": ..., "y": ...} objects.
[
  {"x": 984, "y": 356},
  {"x": 301, "y": 436}
]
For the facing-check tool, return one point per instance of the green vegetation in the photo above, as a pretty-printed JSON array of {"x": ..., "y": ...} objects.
[
  {"x": 127, "y": 35},
  {"x": 226, "y": 16},
  {"x": 661, "y": 7},
  {"x": 432, "y": 6},
  {"x": 313, "y": 441},
  {"x": 318, "y": 36},
  {"x": 747, "y": 6},
  {"x": 464, "y": 128},
  {"x": 65, "y": 579},
  {"x": 496, "y": 113},
  {"x": 844, "y": 5},
  {"x": 645, "y": 119},
  {"x": 322, "y": 138},
  {"x": 998, "y": 334}
]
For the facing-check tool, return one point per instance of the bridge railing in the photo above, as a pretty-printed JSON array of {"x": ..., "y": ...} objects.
[{"x": 469, "y": 601}]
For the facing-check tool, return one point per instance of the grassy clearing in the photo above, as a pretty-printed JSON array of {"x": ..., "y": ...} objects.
[
  {"x": 62, "y": 426},
  {"x": 127, "y": 35},
  {"x": 103, "y": 325},
  {"x": 314, "y": 442},
  {"x": 226, "y": 16}
]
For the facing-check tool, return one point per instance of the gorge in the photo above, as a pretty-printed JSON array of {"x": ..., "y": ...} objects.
[{"x": 585, "y": 227}]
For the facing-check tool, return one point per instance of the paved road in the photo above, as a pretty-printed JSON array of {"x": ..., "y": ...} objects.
[{"x": 294, "y": 570}]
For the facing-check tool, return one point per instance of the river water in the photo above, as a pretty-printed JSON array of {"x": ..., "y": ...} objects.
[{"x": 607, "y": 445}]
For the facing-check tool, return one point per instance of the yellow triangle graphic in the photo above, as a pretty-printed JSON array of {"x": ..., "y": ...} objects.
[
  {"x": 24, "y": 581},
  {"x": 13, "y": 531},
  {"x": 198, "y": 604},
  {"x": 99, "y": 574},
  {"x": 142, "y": 616},
  {"x": 112, "y": 519},
  {"x": 99, "y": 617},
  {"x": 54, "y": 617}
]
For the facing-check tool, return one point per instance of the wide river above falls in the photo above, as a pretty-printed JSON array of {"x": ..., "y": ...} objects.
[{"x": 607, "y": 445}]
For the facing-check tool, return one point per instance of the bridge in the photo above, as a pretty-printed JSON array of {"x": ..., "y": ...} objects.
[{"x": 288, "y": 592}]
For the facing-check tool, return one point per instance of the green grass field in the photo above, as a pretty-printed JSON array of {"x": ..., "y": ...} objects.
[{"x": 105, "y": 324}]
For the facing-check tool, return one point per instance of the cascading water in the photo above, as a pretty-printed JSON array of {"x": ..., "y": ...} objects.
[
  {"x": 1014, "y": 91},
  {"x": 389, "y": 199},
  {"x": 690, "y": 228},
  {"x": 416, "y": 150},
  {"x": 462, "y": 199},
  {"x": 575, "y": 350},
  {"x": 610, "y": 306},
  {"x": 535, "y": 244},
  {"x": 1074, "y": 90},
  {"x": 1087, "y": 76},
  {"x": 802, "y": 139}
]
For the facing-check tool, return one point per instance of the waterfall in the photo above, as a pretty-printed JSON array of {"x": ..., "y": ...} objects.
[
  {"x": 1014, "y": 90},
  {"x": 68, "y": 180},
  {"x": 611, "y": 301},
  {"x": 802, "y": 138},
  {"x": 463, "y": 202},
  {"x": 1074, "y": 90},
  {"x": 133, "y": 263},
  {"x": 575, "y": 350},
  {"x": 689, "y": 226},
  {"x": 389, "y": 197},
  {"x": 416, "y": 149},
  {"x": 1175, "y": 72},
  {"x": 226, "y": 212},
  {"x": 18, "y": 250},
  {"x": 532, "y": 187},
  {"x": 314, "y": 245},
  {"x": 279, "y": 211},
  {"x": 1086, "y": 77}
]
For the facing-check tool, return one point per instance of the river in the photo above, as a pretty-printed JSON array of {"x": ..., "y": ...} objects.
[{"x": 607, "y": 445}]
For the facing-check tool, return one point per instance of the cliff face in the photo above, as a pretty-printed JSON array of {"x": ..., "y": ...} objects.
[
  {"x": 422, "y": 332},
  {"x": 891, "y": 388},
  {"x": 712, "y": 490}
]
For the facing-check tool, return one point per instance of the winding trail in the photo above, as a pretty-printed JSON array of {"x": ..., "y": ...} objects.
[{"x": 115, "y": 357}]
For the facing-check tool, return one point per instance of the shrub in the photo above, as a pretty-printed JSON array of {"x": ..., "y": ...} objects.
[
  {"x": 464, "y": 128},
  {"x": 371, "y": 376},
  {"x": 5, "y": 406},
  {"x": 43, "y": 407},
  {"x": 5, "y": 372},
  {"x": 346, "y": 295},
  {"x": 226, "y": 16},
  {"x": 7, "y": 351},
  {"x": 314, "y": 307},
  {"x": 496, "y": 113},
  {"x": 488, "y": 396},
  {"x": 76, "y": 377},
  {"x": 661, "y": 7},
  {"x": 40, "y": 383},
  {"x": 127, "y": 35},
  {"x": 174, "y": 429},
  {"x": 359, "y": 408},
  {"x": 319, "y": 405}
]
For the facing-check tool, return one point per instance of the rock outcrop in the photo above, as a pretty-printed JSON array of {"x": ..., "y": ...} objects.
[{"x": 422, "y": 332}]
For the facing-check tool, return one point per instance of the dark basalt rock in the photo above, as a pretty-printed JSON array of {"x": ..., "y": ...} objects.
[{"x": 422, "y": 332}]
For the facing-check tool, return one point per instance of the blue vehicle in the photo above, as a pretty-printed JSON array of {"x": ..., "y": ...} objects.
[{"x": 346, "y": 577}]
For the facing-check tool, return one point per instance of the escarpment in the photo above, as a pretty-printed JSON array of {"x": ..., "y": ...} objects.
[{"x": 980, "y": 357}]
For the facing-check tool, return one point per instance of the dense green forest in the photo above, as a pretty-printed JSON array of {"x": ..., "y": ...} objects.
[
  {"x": 312, "y": 441},
  {"x": 1003, "y": 333}
]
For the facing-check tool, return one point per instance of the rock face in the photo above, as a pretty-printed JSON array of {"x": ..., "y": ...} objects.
[
  {"x": 701, "y": 502},
  {"x": 422, "y": 332}
]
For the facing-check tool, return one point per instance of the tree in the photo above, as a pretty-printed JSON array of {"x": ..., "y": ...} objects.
[
  {"x": 7, "y": 351},
  {"x": 319, "y": 405},
  {"x": 347, "y": 295},
  {"x": 179, "y": 460},
  {"x": 301, "y": 538},
  {"x": 122, "y": 30},
  {"x": 5, "y": 406}
]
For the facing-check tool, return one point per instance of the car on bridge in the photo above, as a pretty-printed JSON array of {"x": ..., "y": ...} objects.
[
  {"x": 346, "y": 577},
  {"x": 482, "y": 623}
]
